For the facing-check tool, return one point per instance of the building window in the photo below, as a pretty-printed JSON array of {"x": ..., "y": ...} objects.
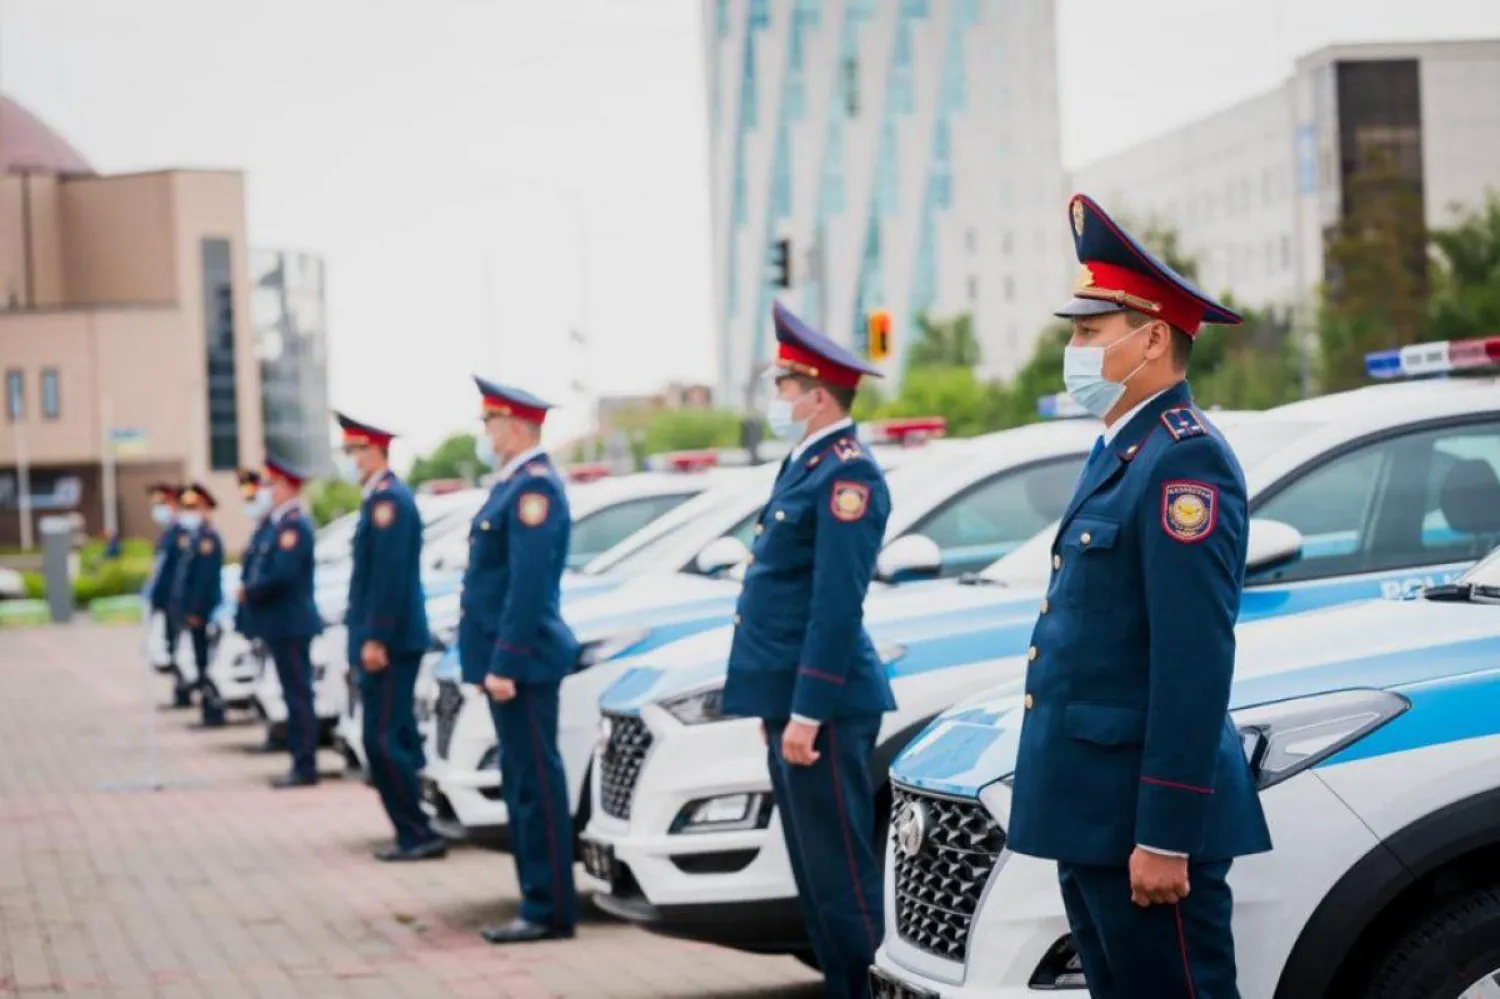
[
  {"x": 723, "y": 18},
  {"x": 903, "y": 88},
  {"x": 973, "y": 289},
  {"x": 51, "y": 397},
  {"x": 1286, "y": 253},
  {"x": 1005, "y": 244},
  {"x": 969, "y": 240},
  {"x": 850, "y": 86},
  {"x": 808, "y": 13},
  {"x": 15, "y": 394},
  {"x": 760, "y": 15},
  {"x": 1010, "y": 288},
  {"x": 218, "y": 337}
]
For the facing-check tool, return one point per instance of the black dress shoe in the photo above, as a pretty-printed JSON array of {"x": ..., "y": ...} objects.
[
  {"x": 293, "y": 780},
  {"x": 519, "y": 930},
  {"x": 433, "y": 849},
  {"x": 182, "y": 699}
]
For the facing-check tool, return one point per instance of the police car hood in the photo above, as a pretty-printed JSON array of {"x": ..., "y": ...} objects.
[
  {"x": 907, "y": 625},
  {"x": 1377, "y": 644},
  {"x": 647, "y": 601}
]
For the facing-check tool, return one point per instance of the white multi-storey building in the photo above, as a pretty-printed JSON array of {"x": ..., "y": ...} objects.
[
  {"x": 1254, "y": 190},
  {"x": 907, "y": 151}
]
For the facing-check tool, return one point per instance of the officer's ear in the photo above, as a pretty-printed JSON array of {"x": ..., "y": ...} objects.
[{"x": 1158, "y": 339}]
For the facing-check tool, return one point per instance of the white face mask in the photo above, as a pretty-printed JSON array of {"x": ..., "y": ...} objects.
[
  {"x": 782, "y": 422},
  {"x": 346, "y": 469},
  {"x": 190, "y": 519},
  {"x": 1083, "y": 376},
  {"x": 259, "y": 506},
  {"x": 484, "y": 451},
  {"x": 161, "y": 514}
]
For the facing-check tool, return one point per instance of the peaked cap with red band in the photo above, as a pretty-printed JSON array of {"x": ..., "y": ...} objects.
[
  {"x": 1118, "y": 273},
  {"x": 362, "y": 433},
  {"x": 197, "y": 497},
  {"x": 802, "y": 350},
  {"x": 502, "y": 400},
  {"x": 286, "y": 471}
]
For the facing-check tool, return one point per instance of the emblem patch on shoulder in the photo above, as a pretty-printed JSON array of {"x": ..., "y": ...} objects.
[
  {"x": 183, "y": 542},
  {"x": 847, "y": 448},
  {"x": 532, "y": 509},
  {"x": 287, "y": 540},
  {"x": 1189, "y": 510},
  {"x": 850, "y": 500},
  {"x": 383, "y": 513},
  {"x": 206, "y": 546},
  {"x": 1183, "y": 423}
]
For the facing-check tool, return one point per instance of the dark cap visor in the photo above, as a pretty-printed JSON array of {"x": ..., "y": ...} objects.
[{"x": 1081, "y": 308}]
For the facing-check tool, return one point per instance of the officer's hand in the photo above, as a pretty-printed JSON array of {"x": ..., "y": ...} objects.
[
  {"x": 239, "y": 595},
  {"x": 193, "y": 621},
  {"x": 1156, "y": 879},
  {"x": 373, "y": 657},
  {"x": 499, "y": 688},
  {"x": 797, "y": 744}
]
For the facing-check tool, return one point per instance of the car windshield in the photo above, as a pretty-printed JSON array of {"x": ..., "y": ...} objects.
[
  {"x": 731, "y": 512},
  {"x": 1253, "y": 440}
]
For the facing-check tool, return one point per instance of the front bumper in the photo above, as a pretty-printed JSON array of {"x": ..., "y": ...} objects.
[
  {"x": 1021, "y": 920},
  {"x": 236, "y": 669},
  {"x": 732, "y": 887}
]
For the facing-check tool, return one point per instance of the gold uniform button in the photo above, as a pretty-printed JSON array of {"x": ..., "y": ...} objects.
[
  {"x": 781, "y": 515},
  {"x": 1029, "y": 702},
  {"x": 736, "y": 619},
  {"x": 1045, "y": 605},
  {"x": 1085, "y": 537},
  {"x": 1057, "y": 562},
  {"x": 759, "y": 529},
  {"x": 1031, "y": 654},
  {"x": 749, "y": 560}
]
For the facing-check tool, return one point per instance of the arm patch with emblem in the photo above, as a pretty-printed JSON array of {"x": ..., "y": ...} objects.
[
  {"x": 531, "y": 508},
  {"x": 383, "y": 514},
  {"x": 849, "y": 500},
  {"x": 287, "y": 539},
  {"x": 1189, "y": 510}
]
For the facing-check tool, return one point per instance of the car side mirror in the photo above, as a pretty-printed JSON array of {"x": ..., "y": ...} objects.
[
  {"x": 721, "y": 554},
  {"x": 908, "y": 557},
  {"x": 1271, "y": 545}
]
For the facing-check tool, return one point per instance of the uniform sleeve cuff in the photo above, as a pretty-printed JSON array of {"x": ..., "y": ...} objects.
[
  {"x": 1160, "y": 853},
  {"x": 806, "y": 720}
]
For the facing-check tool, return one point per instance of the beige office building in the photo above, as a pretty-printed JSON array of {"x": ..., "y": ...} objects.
[{"x": 124, "y": 329}]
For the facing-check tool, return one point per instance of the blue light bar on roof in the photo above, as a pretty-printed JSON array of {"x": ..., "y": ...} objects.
[
  {"x": 1436, "y": 358},
  {"x": 1059, "y": 406}
]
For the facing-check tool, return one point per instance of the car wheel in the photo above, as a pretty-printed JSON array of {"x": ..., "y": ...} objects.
[{"x": 1451, "y": 952}]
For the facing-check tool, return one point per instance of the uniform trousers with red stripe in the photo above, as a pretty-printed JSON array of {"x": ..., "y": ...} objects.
[
  {"x": 393, "y": 746},
  {"x": 535, "y": 786},
  {"x": 1181, "y": 951},
  {"x": 827, "y": 815}
]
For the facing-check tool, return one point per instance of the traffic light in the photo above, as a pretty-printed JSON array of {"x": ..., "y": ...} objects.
[
  {"x": 781, "y": 263},
  {"x": 879, "y": 343}
]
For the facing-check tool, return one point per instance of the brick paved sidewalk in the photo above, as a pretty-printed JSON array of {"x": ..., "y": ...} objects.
[{"x": 227, "y": 889}]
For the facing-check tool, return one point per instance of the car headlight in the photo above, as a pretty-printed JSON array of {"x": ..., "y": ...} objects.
[
  {"x": 598, "y": 650},
  {"x": 1283, "y": 739},
  {"x": 724, "y": 813},
  {"x": 490, "y": 760},
  {"x": 698, "y": 707}
]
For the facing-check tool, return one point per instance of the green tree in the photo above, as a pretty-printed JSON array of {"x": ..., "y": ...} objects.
[
  {"x": 1466, "y": 275},
  {"x": 1376, "y": 294},
  {"x": 452, "y": 459},
  {"x": 331, "y": 499},
  {"x": 971, "y": 406},
  {"x": 690, "y": 429},
  {"x": 943, "y": 343}
]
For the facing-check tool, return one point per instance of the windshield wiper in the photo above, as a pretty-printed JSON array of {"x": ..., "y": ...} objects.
[{"x": 1460, "y": 593}]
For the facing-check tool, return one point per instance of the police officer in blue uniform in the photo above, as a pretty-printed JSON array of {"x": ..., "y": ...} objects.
[
  {"x": 801, "y": 660},
  {"x": 387, "y": 623},
  {"x": 197, "y": 590},
  {"x": 278, "y": 594},
  {"x": 1129, "y": 772},
  {"x": 514, "y": 643},
  {"x": 255, "y": 501},
  {"x": 170, "y": 545}
]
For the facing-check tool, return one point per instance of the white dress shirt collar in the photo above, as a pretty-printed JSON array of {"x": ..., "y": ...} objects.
[
  {"x": 1113, "y": 430},
  {"x": 511, "y": 467},
  {"x": 824, "y": 434}
]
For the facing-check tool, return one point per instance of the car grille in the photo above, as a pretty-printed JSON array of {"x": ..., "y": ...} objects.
[
  {"x": 445, "y": 715},
  {"x": 938, "y": 889},
  {"x": 620, "y": 766}
]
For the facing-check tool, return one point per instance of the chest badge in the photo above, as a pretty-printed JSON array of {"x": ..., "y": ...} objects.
[
  {"x": 287, "y": 540},
  {"x": 383, "y": 514},
  {"x": 206, "y": 546},
  {"x": 850, "y": 500},
  {"x": 182, "y": 541},
  {"x": 1189, "y": 510},
  {"x": 532, "y": 509}
]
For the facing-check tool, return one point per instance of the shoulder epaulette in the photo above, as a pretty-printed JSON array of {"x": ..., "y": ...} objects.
[
  {"x": 1183, "y": 423},
  {"x": 538, "y": 468},
  {"x": 847, "y": 449}
]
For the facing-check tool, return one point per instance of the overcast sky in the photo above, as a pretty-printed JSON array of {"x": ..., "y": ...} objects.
[{"x": 431, "y": 149}]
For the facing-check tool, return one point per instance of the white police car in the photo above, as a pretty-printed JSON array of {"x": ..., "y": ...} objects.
[
  {"x": 955, "y": 504},
  {"x": 1374, "y": 487},
  {"x": 1374, "y": 732}
]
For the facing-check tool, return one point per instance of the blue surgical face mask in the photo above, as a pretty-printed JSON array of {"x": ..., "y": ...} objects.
[
  {"x": 782, "y": 423},
  {"x": 161, "y": 514},
  {"x": 258, "y": 506},
  {"x": 484, "y": 451},
  {"x": 190, "y": 519},
  {"x": 1083, "y": 376}
]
